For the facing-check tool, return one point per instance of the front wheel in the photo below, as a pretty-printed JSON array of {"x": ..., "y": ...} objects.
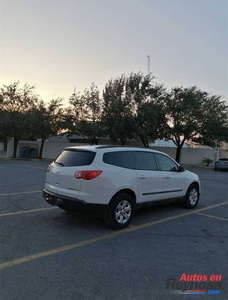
[
  {"x": 120, "y": 212},
  {"x": 191, "y": 198}
]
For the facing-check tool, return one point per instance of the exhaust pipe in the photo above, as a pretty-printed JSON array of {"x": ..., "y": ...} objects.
[{"x": 50, "y": 199}]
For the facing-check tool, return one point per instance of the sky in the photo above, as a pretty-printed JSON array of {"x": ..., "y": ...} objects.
[{"x": 58, "y": 45}]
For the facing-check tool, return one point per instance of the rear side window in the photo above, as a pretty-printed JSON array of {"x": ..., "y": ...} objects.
[
  {"x": 74, "y": 158},
  {"x": 223, "y": 159},
  {"x": 124, "y": 159},
  {"x": 145, "y": 161}
]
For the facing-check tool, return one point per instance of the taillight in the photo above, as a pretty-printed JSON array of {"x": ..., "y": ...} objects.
[
  {"x": 87, "y": 175},
  {"x": 48, "y": 168}
]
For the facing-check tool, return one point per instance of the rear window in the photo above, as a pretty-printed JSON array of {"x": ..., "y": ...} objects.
[
  {"x": 74, "y": 158},
  {"x": 124, "y": 159},
  {"x": 223, "y": 159}
]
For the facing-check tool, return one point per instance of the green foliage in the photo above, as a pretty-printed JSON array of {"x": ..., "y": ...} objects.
[
  {"x": 23, "y": 115},
  {"x": 214, "y": 121},
  {"x": 148, "y": 108},
  {"x": 117, "y": 117},
  {"x": 132, "y": 106},
  {"x": 207, "y": 161},
  {"x": 16, "y": 104},
  {"x": 184, "y": 113},
  {"x": 46, "y": 120},
  {"x": 84, "y": 114}
]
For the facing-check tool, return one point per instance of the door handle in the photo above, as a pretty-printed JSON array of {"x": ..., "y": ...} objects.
[
  {"x": 167, "y": 177},
  {"x": 142, "y": 177}
]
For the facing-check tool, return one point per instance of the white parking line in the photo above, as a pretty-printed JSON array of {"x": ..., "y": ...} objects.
[
  {"x": 210, "y": 216},
  {"x": 43, "y": 168},
  {"x": 18, "y": 193},
  {"x": 211, "y": 175},
  {"x": 35, "y": 256},
  {"x": 26, "y": 211}
]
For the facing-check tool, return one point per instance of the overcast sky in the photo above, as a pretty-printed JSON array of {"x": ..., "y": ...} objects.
[{"x": 61, "y": 44}]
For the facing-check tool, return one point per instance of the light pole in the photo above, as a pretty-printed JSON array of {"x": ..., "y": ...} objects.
[{"x": 148, "y": 64}]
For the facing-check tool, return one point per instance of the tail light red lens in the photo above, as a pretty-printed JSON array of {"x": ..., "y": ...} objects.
[
  {"x": 48, "y": 168},
  {"x": 87, "y": 175}
]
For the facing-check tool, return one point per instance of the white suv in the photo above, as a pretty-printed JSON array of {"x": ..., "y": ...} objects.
[{"x": 117, "y": 180}]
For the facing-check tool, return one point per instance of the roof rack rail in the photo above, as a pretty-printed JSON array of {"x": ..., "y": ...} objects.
[{"x": 120, "y": 146}]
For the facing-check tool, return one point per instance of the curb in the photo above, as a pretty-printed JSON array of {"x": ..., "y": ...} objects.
[
  {"x": 24, "y": 159},
  {"x": 202, "y": 167}
]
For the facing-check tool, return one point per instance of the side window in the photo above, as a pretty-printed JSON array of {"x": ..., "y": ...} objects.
[
  {"x": 145, "y": 161},
  {"x": 124, "y": 159},
  {"x": 165, "y": 163}
]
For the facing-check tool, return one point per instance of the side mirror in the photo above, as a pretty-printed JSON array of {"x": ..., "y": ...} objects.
[{"x": 181, "y": 169}]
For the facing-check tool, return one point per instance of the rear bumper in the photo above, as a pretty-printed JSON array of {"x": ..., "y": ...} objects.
[
  {"x": 73, "y": 204},
  {"x": 221, "y": 167}
]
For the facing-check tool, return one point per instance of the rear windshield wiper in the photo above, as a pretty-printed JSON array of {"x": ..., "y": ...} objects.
[{"x": 58, "y": 163}]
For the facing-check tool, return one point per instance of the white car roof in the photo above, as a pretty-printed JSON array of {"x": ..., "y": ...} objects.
[{"x": 108, "y": 147}]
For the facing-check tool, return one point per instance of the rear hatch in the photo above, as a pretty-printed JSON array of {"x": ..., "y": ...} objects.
[
  {"x": 61, "y": 173},
  {"x": 222, "y": 162}
]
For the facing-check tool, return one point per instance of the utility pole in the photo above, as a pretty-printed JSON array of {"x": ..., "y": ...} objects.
[{"x": 148, "y": 64}]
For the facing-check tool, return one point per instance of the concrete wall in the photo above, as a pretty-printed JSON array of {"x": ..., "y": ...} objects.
[
  {"x": 52, "y": 149},
  {"x": 224, "y": 153},
  {"x": 191, "y": 156},
  {"x": 195, "y": 156},
  {"x": 10, "y": 146}
]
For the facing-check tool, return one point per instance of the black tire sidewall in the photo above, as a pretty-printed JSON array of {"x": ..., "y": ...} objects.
[
  {"x": 111, "y": 218},
  {"x": 187, "y": 204}
]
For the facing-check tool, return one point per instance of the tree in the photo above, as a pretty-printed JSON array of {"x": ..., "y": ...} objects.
[
  {"x": 47, "y": 120},
  {"x": 91, "y": 127},
  {"x": 191, "y": 113},
  {"x": 84, "y": 114},
  {"x": 134, "y": 107},
  {"x": 4, "y": 132},
  {"x": 15, "y": 105},
  {"x": 78, "y": 108},
  {"x": 147, "y": 99},
  {"x": 91, "y": 130},
  {"x": 117, "y": 114},
  {"x": 183, "y": 109},
  {"x": 214, "y": 122},
  {"x": 150, "y": 122}
]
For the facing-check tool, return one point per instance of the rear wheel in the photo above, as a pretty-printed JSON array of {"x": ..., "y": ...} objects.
[
  {"x": 191, "y": 197},
  {"x": 215, "y": 169},
  {"x": 120, "y": 212}
]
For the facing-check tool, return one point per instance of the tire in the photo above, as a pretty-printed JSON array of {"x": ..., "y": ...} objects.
[
  {"x": 215, "y": 169},
  {"x": 120, "y": 212},
  {"x": 191, "y": 197}
]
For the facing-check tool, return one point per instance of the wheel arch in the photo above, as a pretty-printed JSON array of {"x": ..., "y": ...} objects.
[
  {"x": 126, "y": 191},
  {"x": 109, "y": 212},
  {"x": 195, "y": 183}
]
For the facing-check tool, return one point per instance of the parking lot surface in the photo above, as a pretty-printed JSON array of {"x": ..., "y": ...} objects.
[{"x": 47, "y": 253}]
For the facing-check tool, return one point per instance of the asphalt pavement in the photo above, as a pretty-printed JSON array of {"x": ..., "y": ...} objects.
[{"x": 46, "y": 253}]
